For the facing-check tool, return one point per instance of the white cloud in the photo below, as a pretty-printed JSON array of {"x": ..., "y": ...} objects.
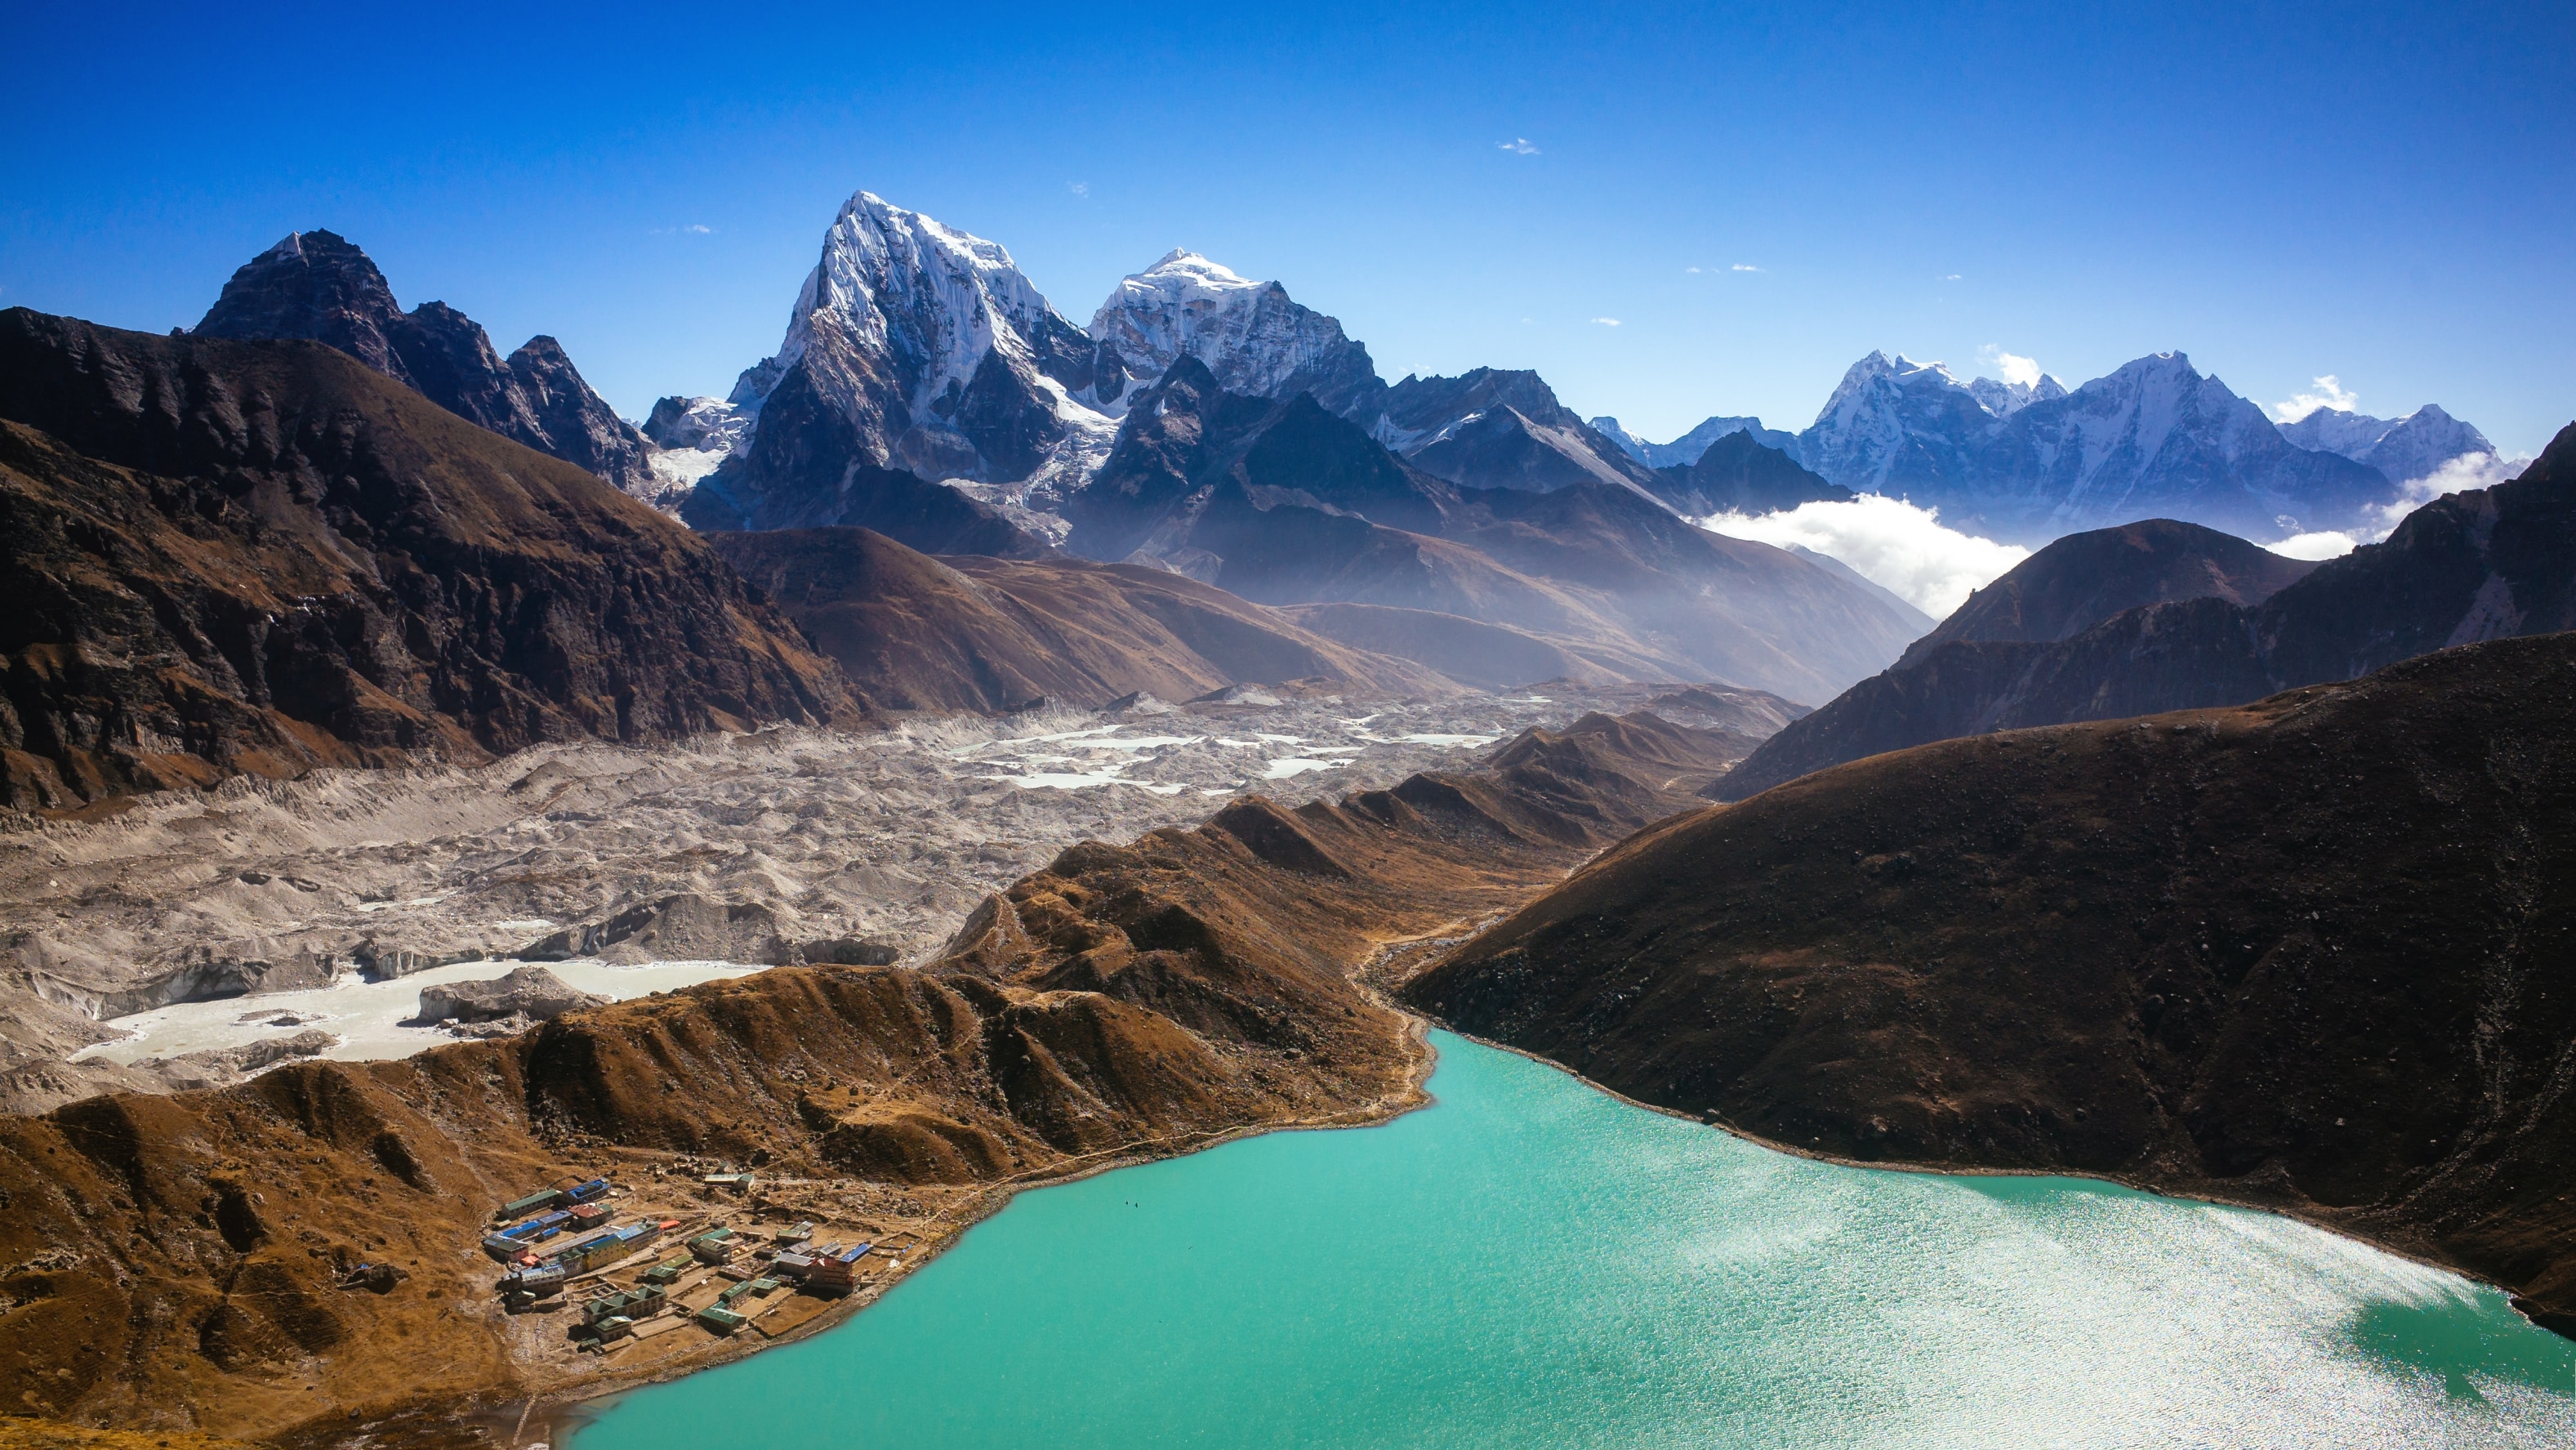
[
  {"x": 1078, "y": 188},
  {"x": 1607, "y": 321},
  {"x": 2329, "y": 394},
  {"x": 1518, "y": 146},
  {"x": 2324, "y": 544},
  {"x": 1745, "y": 267},
  {"x": 698, "y": 228},
  {"x": 1953, "y": 277},
  {"x": 1691, "y": 269},
  {"x": 1893, "y": 544},
  {"x": 2469, "y": 470},
  {"x": 2011, "y": 367}
]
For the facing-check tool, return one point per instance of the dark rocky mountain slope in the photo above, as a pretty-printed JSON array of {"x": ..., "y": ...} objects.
[
  {"x": 2309, "y": 953},
  {"x": 971, "y": 633},
  {"x": 2479, "y": 564},
  {"x": 1285, "y": 504},
  {"x": 318, "y": 286},
  {"x": 1737, "y": 473},
  {"x": 2082, "y": 579},
  {"x": 262, "y": 556}
]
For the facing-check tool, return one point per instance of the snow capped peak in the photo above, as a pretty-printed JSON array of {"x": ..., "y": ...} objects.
[
  {"x": 1187, "y": 269},
  {"x": 1251, "y": 336},
  {"x": 949, "y": 296}
]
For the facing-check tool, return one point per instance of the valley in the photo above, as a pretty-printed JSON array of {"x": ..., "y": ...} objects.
[{"x": 502, "y": 906}]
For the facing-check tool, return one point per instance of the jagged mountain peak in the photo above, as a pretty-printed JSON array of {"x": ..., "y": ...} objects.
[
  {"x": 1254, "y": 338},
  {"x": 2406, "y": 448},
  {"x": 914, "y": 347},
  {"x": 898, "y": 280},
  {"x": 321, "y": 287}
]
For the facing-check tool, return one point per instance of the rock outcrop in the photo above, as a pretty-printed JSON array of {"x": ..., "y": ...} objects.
[
  {"x": 228, "y": 557},
  {"x": 529, "y": 992},
  {"x": 318, "y": 286},
  {"x": 684, "y": 927}
]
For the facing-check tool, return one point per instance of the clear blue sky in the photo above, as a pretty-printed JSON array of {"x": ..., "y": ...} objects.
[{"x": 2383, "y": 195}]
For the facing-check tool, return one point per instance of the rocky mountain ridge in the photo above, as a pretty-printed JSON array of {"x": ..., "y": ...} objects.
[
  {"x": 260, "y": 557},
  {"x": 1286, "y": 504},
  {"x": 2474, "y": 565},
  {"x": 318, "y": 286}
]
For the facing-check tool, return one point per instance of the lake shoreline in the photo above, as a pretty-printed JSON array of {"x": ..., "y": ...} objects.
[
  {"x": 553, "y": 1418},
  {"x": 2409, "y": 1253}
]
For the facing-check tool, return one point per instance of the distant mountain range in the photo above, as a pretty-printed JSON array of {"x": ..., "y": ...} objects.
[
  {"x": 924, "y": 389},
  {"x": 2028, "y": 462},
  {"x": 2166, "y": 616},
  {"x": 1214, "y": 427}
]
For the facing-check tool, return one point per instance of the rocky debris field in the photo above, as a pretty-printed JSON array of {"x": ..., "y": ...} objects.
[{"x": 746, "y": 849}]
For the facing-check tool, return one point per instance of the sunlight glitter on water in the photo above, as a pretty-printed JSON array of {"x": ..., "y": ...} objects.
[{"x": 1532, "y": 1263}]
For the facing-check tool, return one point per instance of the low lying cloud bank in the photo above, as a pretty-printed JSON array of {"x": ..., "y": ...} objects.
[
  {"x": 1909, "y": 552},
  {"x": 1901, "y": 548},
  {"x": 2469, "y": 470}
]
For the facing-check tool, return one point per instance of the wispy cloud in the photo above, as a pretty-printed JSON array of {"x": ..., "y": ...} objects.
[
  {"x": 1903, "y": 549},
  {"x": 1744, "y": 267},
  {"x": 693, "y": 229},
  {"x": 1607, "y": 321},
  {"x": 2011, "y": 367},
  {"x": 1953, "y": 277},
  {"x": 2330, "y": 394},
  {"x": 1518, "y": 146},
  {"x": 1078, "y": 188},
  {"x": 1692, "y": 270}
]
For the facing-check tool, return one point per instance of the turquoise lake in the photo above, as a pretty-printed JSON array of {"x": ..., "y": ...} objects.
[{"x": 1532, "y": 1263}]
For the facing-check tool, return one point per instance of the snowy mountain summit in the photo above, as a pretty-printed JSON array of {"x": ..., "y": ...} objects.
[
  {"x": 912, "y": 346},
  {"x": 2406, "y": 449},
  {"x": 1253, "y": 338},
  {"x": 2028, "y": 462}
]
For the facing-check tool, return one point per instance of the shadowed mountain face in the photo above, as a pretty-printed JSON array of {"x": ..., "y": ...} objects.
[
  {"x": 2083, "y": 579},
  {"x": 1498, "y": 428},
  {"x": 2479, "y": 564},
  {"x": 1285, "y": 504},
  {"x": 1736, "y": 473},
  {"x": 318, "y": 286},
  {"x": 260, "y": 557},
  {"x": 968, "y": 633},
  {"x": 2308, "y": 953}
]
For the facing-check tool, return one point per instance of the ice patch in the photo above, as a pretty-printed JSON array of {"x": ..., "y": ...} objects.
[{"x": 373, "y": 1019}]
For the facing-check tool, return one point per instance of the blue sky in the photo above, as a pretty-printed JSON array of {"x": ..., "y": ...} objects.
[{"x": 2282, "y": 192}]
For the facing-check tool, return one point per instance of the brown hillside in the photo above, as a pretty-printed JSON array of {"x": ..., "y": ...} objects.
[
  {"x": 2082, "y": 579},
  {"x": 974, "y": 633},
  {"x": 228, "y": 557},
  {"x": 2312, "y": 953},
  {"x": 176, "y": 1261}
]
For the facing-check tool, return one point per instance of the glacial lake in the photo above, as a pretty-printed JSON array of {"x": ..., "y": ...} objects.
[{"x": 1533, "y": 1263}]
